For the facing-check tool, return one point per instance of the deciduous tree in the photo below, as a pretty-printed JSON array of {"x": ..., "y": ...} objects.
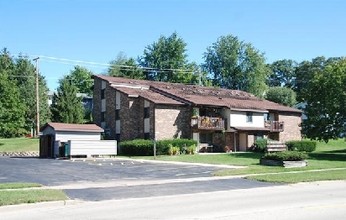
[
  {"x": 325, "y": 97},
  {"x": 167, "y": 59},
  {"x": 305, "y": 72},
  {"x": 125, "y": 67},
  {"x": 234, "y": 64},
  {"x": 283, "y": 73},
  {"x": 281, "y": 95},
  {"x": 81, "y": 78}
]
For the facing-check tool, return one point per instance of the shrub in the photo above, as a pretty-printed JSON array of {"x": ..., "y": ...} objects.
[
  {"x": 175, "y": 150},
  {"x": 170, "y": 150},
  {"x": 306, "y": 145},
  {"x": 191, "y": 149},
  {"x": 260, "y": 145},
  {"x": 286, "y": 155},
  {"x": 138, "y": 147},
  {"x": 162, "y": 146}
]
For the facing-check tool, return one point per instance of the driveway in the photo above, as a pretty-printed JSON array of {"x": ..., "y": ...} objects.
[{"x": 105, "y": 179}]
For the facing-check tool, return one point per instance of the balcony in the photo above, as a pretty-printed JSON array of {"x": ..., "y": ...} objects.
[
  {"x": 274, "y": 126},
  {"x": 208, "y": 123}
]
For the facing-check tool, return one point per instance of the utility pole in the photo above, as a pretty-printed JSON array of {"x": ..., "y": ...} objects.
[{"x": 37, "y": 100}]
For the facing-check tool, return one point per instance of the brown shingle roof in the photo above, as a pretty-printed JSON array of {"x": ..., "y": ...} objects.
[
  {"x": 149, "y": 95},
  {"x": 72, "y": 127},
  {"x": 175, "y": 93}
]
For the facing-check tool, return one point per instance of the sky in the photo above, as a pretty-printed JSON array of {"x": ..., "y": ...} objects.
[{"x": 62, "y": 32}]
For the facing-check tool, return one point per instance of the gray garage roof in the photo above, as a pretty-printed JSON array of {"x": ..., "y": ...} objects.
[{"x": 72, "y": 127}]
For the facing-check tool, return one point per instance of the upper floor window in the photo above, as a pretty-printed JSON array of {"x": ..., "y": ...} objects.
[
  {"x": 249, "y": 116},
  {"x": 117, "y": 137},
  {"x": 146, "y": 136},
  {"x": 146, "y": 112},
  {"x": 102, "y": 93},
  {"x": 102, "y": 116},
  {"x": 266, "y": 117},
  {"x": 117, "y": 115}
]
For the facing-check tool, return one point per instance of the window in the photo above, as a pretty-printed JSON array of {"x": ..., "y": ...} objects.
[
  {"x": 102, "y": 93},
  {"x": 206, "y": 138},
  {"x": 266, "y": 117},
  {"x": 259, "y": 136},
  {"x": 117, "y": 137},
  {"x": 248, "y": 116},
  {"x": 117, "y": 115},
  {"x": 146, "y": 112},
  {"x": 146, "y": 136}
]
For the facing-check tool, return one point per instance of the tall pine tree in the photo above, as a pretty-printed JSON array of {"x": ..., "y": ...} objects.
[
  {"x": 25, "y": 78},
  {"x": 66, "y": 106},
  {"x": 11, "y": 109}
]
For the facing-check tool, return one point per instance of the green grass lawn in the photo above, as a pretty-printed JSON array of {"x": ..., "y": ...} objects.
[
  {"x": 19, "y": 144},
  {"x": 301, "y": 177},
  {"x": 327, "y": 156},
  {"x": 30, "y": 196},
  {"x": 18, "y": 185},
  {"x": 17, "y": 193}
]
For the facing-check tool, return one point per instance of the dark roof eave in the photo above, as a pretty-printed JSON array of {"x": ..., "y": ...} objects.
[{"x": 259, "y": 129}]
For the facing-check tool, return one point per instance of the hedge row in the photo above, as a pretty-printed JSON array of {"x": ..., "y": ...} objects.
[
  {"x": 260, "y": 145},
  {"x": 307, "y": 146},
  {"x": 141, "y": 147},
  {"x": 286, "y": 155},
  {"x": 138, "y": 147}
]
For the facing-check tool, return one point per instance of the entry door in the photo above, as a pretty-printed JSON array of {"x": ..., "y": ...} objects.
[{"x": 242, "y": 141}]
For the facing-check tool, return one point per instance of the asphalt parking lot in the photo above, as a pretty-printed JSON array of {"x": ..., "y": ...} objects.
[
  {"x": 87, "y": 179},
  {"x": 52, "y": 172}
]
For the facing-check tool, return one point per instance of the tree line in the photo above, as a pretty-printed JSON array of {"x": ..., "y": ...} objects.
[{"x": 319, "y": 84}]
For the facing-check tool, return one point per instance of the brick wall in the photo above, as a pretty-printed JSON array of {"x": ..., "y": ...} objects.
[
  {"x": 292, "y": 129},
  {"x": 172, "y": 122}
]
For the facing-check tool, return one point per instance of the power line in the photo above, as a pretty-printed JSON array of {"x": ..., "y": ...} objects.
[{"x": 97, "y": 64}]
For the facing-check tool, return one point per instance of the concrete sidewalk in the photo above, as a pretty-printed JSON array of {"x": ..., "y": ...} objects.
[{"x": 160, "y": 162}]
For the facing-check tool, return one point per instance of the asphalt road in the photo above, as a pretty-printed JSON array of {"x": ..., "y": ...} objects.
[
  {"x": 118, "y": 179},
  {"x": 318, "y": 201}
]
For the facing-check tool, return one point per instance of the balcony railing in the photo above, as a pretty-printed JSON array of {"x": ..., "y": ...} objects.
[
  {"x": 208, "y": 123},
  {"x": 275, "y": 126}
]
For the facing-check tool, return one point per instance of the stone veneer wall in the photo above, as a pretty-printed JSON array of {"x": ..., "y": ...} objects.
[
  {"x": 152, "y": 119},
  {"x": 292, "y": 126},
  {"x": 131, "y": 117},
  {"x": 110, "y": 111},
  {"x": 97, "y": 101},
  {"x": 172, "y": 122}
]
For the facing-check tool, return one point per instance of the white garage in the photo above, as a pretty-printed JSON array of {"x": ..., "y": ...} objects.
[{"x": 61, "y": 139}]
